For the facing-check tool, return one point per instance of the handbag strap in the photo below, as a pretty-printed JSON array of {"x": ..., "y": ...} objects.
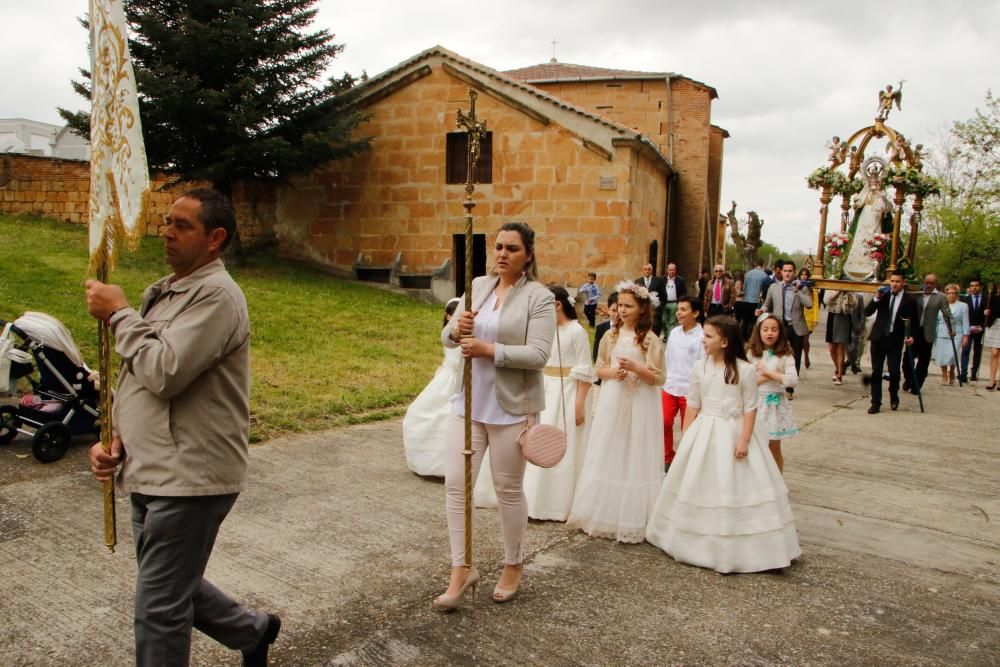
[{"x": 562, "y": 391}]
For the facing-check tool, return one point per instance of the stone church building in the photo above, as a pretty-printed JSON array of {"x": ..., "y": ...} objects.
[{"x": 612, "y": 168}]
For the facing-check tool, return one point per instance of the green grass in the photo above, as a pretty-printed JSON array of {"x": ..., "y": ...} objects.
[{"x": 325, "y": 351}]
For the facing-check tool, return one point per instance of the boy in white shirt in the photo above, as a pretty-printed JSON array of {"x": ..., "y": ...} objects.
[{"x": 683, "y": 349}]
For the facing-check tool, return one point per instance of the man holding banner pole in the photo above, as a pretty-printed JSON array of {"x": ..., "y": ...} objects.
[{"x": 182, "y": 421}]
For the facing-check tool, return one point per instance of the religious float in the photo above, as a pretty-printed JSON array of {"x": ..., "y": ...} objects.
[{"x": 879, "y": 178}]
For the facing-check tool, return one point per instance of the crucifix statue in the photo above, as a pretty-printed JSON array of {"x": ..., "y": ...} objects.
[{"x": 475, "y": 131}]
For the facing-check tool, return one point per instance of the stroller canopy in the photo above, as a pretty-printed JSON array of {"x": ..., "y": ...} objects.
[{"x": 50, "y": 332}]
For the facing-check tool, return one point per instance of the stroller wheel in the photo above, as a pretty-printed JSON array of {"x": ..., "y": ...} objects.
[
  {"x": 50, "y": 442},
  {"x": 8, "y": 423}
]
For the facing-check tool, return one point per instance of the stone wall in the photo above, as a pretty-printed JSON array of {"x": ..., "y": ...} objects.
[
  {"x": 644, "y": 105},
  {"x": 60, "y": 189},
  {"x": 394, "y": 199}
]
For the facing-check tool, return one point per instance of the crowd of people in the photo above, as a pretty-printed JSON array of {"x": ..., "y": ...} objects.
[
  {"x": 725, "y": 357},
  {"x": 182, "y": 412}
]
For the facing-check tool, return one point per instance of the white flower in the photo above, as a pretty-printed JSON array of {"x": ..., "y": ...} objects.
[{"x": 639, "y": 291}]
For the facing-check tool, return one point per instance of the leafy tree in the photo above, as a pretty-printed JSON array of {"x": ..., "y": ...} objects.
[
  {"x": 229, "y": 90},
  {"x": 961, "y": 229}
]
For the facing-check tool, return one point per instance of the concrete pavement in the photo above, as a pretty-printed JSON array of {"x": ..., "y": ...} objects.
[{"x": 898, "y": 516}]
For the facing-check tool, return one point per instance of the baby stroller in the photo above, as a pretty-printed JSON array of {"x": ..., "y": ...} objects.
[{"x": 64, "y": 399}]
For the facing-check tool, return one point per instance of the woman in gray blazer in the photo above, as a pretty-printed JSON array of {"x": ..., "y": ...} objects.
[{"x": 508, "y": 335}]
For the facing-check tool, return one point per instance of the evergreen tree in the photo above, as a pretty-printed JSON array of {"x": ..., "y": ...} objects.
[{"x": 229, "y": 89}]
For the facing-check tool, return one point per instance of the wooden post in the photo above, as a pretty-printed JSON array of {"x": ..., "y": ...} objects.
[
  {"x": 911, "y": 244},
  {"x": 845, "y": 213},
  {"x": 897, "y": 217},
  {"x": 824, "y": 200}
]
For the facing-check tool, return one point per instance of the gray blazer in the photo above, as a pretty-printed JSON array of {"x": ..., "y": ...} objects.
[
  {"x": 936, "y": 303},
  {"x": 773, "y": 303},
  {"x": 524, "y": 340}
]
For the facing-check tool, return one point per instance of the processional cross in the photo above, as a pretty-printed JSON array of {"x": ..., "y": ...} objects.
[{"x": 475, "y": 131}]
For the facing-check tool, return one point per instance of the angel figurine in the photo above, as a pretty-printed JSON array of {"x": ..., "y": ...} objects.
[
  {"x": 838, "y": 151},
  {"x": 885, "y": 101},
  {"x": 897, "y": 149}
]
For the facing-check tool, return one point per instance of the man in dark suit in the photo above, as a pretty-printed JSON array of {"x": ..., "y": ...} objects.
[
  {"x": 888, "y": 335},
  {"x": 924, "y": 331},
  {"x": 656, "y": 285},
  {"x": 978, "y": 305},
  {"x": 674, "y": 288}
]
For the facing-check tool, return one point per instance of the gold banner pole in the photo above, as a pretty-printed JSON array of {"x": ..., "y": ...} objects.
[
  {"x": 104, "y": 373},
  {"x": 475, "y": 130}
]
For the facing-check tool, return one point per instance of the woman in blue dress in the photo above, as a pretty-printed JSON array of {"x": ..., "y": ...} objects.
[{"x": 946, "y": 343}]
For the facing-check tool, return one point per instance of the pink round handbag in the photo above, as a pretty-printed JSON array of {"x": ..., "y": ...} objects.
[{"x": 544, "y": 445}]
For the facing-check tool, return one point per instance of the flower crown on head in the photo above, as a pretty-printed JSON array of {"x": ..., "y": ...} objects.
[{"x": 640, "y": 291}]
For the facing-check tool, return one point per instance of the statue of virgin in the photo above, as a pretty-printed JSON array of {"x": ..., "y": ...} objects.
[{"x": 871, "y": 208}]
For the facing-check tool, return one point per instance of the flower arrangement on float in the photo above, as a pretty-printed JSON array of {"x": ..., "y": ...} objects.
[
  {"x": 876, "y": 248},
  {"x": 835, "y": 245}
]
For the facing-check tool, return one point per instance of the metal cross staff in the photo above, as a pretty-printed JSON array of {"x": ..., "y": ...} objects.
[{"x": 475, "y": 130}]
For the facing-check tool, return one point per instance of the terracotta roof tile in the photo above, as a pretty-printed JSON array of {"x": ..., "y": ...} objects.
[
  {"x": 551, "y": 72},
  {"x": 556, "y": 71}
]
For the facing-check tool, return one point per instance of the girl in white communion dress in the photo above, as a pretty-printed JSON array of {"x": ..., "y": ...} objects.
[{"x": 723, "y": 504}]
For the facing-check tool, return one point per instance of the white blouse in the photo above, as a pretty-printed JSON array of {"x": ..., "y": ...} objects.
[{"x": 485, "y": 407}]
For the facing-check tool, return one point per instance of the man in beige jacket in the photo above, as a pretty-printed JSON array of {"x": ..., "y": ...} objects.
[{"x": 181, "y": 420}]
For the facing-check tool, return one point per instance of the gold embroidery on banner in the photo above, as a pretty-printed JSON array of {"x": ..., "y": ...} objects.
[{"x": 119, "y": 192}]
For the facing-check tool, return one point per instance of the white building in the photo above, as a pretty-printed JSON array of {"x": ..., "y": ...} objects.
[{"x": 20, "y": 135}]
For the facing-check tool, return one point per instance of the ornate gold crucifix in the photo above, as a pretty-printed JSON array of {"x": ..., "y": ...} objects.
[{"x": 475, "y": 130}]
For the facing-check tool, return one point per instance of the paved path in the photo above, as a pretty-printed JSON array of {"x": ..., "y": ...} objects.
[{"x": 898, "y": 515}]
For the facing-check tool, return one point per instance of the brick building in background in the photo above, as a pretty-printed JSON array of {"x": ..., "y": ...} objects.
[{"x": 612, "y": 168}]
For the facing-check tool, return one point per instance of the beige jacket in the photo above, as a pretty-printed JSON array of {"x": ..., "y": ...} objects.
[
  {"x": 654, "y": 355},
  {"x": 182, "y": 408},
  {"x": 774, "y": 303},
  {"x": 524, "y": 340}
]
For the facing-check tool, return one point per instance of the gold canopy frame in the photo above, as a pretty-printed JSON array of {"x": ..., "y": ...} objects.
[{"x": 904, "y": 173}]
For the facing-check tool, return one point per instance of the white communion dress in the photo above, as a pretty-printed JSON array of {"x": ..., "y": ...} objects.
[
  {"x": 623, "y": 465},
  {"x": 426, "y": 420},
  {"x": 714, "y": 510},
  {"x": 549, "y": 491}
]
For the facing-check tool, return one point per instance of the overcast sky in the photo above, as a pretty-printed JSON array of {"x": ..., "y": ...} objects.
[{"x": 789, "y": 74}]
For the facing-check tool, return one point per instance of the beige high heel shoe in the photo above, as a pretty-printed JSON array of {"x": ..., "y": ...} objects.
[
  {"x": 505, "y": 594},
  {"x": 445, "y": 602}
]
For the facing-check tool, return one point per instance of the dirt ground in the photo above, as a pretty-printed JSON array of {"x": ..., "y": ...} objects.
[{"x": 898, "y": 516}]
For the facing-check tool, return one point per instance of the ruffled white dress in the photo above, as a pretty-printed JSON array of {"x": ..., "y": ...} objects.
[
  {"x": 426, "y": 420},
  {"x": 549, "y": 491},
  {"x": 623, "y": 466},
  {"x": 775, "y": 417},
  {"x": 714, "y": 510}
]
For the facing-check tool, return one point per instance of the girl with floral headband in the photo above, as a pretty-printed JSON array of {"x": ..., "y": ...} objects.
[{"x": 622, "y": 466}]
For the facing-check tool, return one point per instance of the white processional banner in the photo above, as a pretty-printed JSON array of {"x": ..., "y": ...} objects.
[{"x": 119, "y": 177}]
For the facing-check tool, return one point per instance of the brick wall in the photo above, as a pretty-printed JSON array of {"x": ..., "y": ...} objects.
[
  {"x": 644, "y": 105},
  {"x": 716, "y": 139},
  {"x": 60, "y": 189},
  {"x": 394, "y": 199}
]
